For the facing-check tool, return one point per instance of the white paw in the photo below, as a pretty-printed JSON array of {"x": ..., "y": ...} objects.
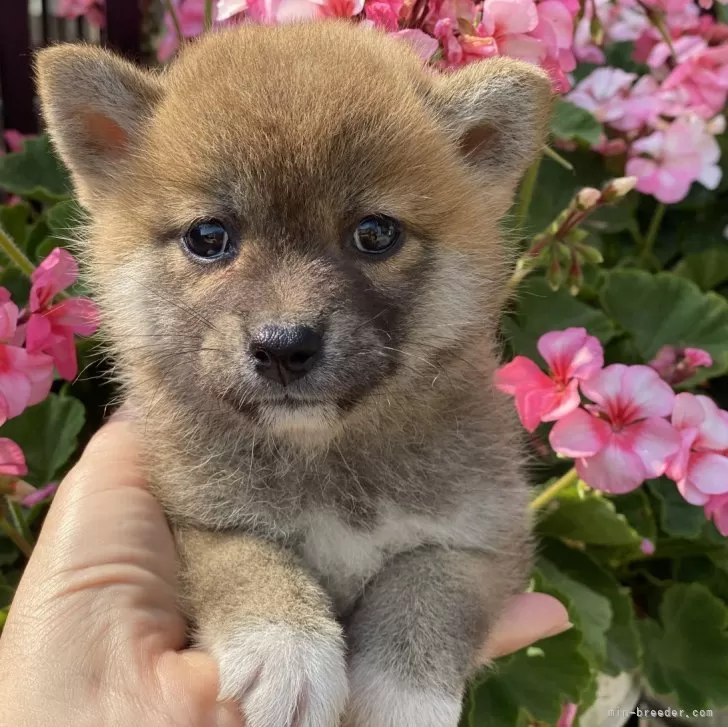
[
  {"x": 284, "y": 677},
  {"x": 378, "y": 699}
]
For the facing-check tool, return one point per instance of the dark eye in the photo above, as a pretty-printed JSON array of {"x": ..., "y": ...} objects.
[
  {"x": 377, "y": 234},
  {"x": 208, "y": 240}
]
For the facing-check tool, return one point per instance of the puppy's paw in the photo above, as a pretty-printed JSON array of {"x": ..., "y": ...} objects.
[
  {"x": 283, "y": 676},
  {"x": 378, "y": 699}
]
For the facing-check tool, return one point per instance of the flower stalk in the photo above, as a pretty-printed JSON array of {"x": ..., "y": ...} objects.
[
  {"x": 15, "y": 254},
  {"x": 553, "y": 490}
]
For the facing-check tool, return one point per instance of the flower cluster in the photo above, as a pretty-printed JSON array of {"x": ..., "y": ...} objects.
[
  {"x": 665, "y": 121},
  {"x": 37, "y": 339},
  {"x": 449, "y": 33},
  {"x": 624, "y": 424},
  {"x": 93, "y": 10}
]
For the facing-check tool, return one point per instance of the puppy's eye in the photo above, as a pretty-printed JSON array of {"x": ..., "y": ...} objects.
[
  {"x": 208, "y": 240},
  {"x": 377, "y": 234}
]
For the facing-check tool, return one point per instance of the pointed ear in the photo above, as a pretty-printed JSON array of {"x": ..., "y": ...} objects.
[
  {"x": 497, "y": 112},
  {"x": 95, "y": 106}
]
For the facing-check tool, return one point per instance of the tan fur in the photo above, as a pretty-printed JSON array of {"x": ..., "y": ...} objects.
[{"x": 395, "y": 504}]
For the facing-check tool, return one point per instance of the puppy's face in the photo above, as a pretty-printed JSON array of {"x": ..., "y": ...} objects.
[{"x": 289, "y": 221}]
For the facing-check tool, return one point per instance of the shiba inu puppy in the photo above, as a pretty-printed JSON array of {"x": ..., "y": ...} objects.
[{"x": 294, "y": 240}]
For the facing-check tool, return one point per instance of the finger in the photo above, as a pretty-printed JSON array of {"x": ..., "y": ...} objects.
[
  {"x": 106, "y": 535},
  {"x": 528, "y": 618}
]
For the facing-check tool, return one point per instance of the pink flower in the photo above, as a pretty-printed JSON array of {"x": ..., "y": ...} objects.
[
  {"x": 14, "y": 140},
  {"x": 647, "y": 547},
  {"x": 385, "y": 14},
  {"x": 675, "y": 364},
  {"x": 699, "y": 468},
  {"x": 424, "y": 45},
  {"x": 39, "y": 495},
  {"x": 572, "y": 356},
  {"x": 667, "y": 162},
  {"x": 716, "y": 509},
  {"x": 604, "y": 93},
  {"x": 622, "y": 439},
  {"x": 191, "y": 17},
  {"x": 25, "y": 378},
  {"x": 52, "y": 326},
  {"x": 92, "y": 9},
  {"x": 568, "y": 715},
  {"x": 12, "y": 460}
]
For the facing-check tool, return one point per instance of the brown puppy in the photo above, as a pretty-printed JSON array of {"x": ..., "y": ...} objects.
[{"x": 294, "y": 241}]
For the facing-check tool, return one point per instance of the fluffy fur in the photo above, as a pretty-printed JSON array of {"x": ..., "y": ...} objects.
[{"x": 382, "y": 494}]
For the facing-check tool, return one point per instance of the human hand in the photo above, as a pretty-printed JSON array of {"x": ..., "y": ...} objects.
[{"x": 94, "y": 636}]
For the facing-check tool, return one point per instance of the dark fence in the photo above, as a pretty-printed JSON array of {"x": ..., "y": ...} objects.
[{"x": 26, "y": 25}]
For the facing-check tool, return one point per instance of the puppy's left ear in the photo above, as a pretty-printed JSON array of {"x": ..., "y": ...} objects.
[
  {"x": 96, "y": 106},
  {"x": 497, "y": 112}
]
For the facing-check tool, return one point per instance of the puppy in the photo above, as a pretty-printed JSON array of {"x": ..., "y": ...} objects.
[{"x": 294, "y": 241}]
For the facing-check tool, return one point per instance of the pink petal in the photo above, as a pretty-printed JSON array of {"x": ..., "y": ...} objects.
[
  {"x": 568, "y": 714},
  {"x": 12, "y": 460},
  {"x": 63, "y": 353},
  {"x": 714, "y": 427},
  {"x": 687, "y": 412},
  {"x": 571, "y": 353},
  {"x": 579, "y": 434},
  {"x": 708, "y": 473},
  {"x": 8, "y": 320},
  {"x": 424, "y": 45},
  {"x": 519, "y": 375},
  {"x": 39, "y": 369},
  {"x": 691, "y": 494},
  {"x": 80, "y": 315},
  {"x": 717, "y": 510},
  {"x": 696, "y": 358},
  {"x": 654, "y": 441},
  {"x": 532, "y": 404},
  {"x": 57, "y": 272},
  {"x": 512, "y": 16},
  {"x": 3, "y": 409},
  {"x": 39, "y": 495},
  {"x": 630, "y": 393},
  {"x": 677, "y": 466},
  {"x": 614, "y": 469},
  {"x": 563, "y": 402},
  {"x": 14, "y": 383},
  {"x": 38, "y": 332}
]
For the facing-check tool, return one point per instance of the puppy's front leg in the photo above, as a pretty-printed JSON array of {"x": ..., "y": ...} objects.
[
  {"x": 415, "y": 634},
  {"x": 268, "y": 625}
]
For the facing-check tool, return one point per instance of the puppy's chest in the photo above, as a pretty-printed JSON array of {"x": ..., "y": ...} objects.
[{"x": 344, "y": 557}]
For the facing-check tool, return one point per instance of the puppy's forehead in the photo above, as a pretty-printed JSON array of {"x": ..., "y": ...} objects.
[{"x": 302, "y": 100}]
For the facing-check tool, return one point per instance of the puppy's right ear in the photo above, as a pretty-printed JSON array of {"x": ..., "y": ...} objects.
[{"x": 95, "y": 106}]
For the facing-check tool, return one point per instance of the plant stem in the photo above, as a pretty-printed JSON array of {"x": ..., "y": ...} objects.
[
  {"x": 208, "y": 15},
  {"x": 524, "y": 196},
  {"x": 652, "y": 231},
  {"x": 15, "y": 254},
  {"x": 551, "y": 154},
  {"x": 16, "y": 537},
  {"x": 552, "y": 490},
  {"x": 169, "y": 5}
]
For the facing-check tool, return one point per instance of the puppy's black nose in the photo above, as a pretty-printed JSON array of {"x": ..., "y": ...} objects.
[{"x": 285, "y": 353}]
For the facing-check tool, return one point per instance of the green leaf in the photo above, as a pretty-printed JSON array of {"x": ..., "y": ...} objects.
[
  {"x": 636, "y": 507},
  {"x": 47, "y": 433},
  {"x": 678, "y": 518},
  {"x": 708, "y": 268},
  {"x": 35, "y": 172},
  {"x": 592, "y": 609},
  {"x": 586, "y": 516},
  {"x": 538, "y": 680},
  {"x": 540, "y": 310},
  {"x": 573, "y": 123},
  {"x": 621, "y": 636},
  {"x": 14, "y": 219},
  {"x": 666, "y": 309},
  {"x": 8, "y": 551},
  {"x": 686, "y": 653}
]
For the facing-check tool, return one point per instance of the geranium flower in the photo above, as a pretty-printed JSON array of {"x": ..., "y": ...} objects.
[
  {"x": 43, "y": 493},
  {"x": 699, "y": 468},
  {"x": 675, "y": 364},
  {"x": 572, "y": 355},
  {"x": 25, "y": 378},
  {"x": 52, "y": 326},
  {"x": 667, "y": 162},
  {"x": 622, "y": 439}
]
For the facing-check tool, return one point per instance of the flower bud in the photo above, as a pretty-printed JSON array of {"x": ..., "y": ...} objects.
[
  {"x": 618, "y": 188},
  {"x": 589, "y": 254},
  {"x": 587, "y": 198},
  {"x": 555, "y": 275}
]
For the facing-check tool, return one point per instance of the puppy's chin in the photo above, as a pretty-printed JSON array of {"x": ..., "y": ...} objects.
[{"x": 314, "y": 423}]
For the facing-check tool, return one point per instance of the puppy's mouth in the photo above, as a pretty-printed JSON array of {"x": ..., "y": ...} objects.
[{"x": 284, "y": 402}]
